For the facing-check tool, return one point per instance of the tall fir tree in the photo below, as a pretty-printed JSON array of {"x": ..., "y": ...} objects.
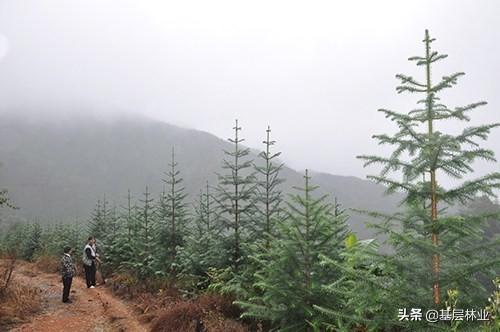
[
  {"x": 268, "y": 192},
  {"x": 206, "y": 215},
  {"x": 103, "y": 226},
  {"x": 201, "y": 251},
  {"x": 421, "y": 155},
  {"x": 145, "y": 244},
  {"x": 131, "y": 227},
  {"x": 100, "y": 224},
  {"x": 172, "y": 213},
  {"x": 292, "y": 273},
  {"x": 235, "y": 194},
  {"x": 266, "y": 214},
  {"x": 96, "y": 222},
  {"x": 120, "y": 250}
]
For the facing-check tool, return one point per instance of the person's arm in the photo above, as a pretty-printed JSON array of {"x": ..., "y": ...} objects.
[
  {"x": 73, "y": 266},
  {"x": 62, "y": 267}
]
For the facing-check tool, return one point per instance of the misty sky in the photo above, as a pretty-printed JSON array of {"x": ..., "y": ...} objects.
[{"x": 316, "y": 71}]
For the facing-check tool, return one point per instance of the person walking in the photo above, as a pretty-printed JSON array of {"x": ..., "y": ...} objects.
[
  {"x": 89, "y": 262},
  {"x": 68, "y": 270}
]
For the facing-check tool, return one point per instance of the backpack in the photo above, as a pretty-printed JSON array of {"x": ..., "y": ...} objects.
[{"x": 86, "y": 261}]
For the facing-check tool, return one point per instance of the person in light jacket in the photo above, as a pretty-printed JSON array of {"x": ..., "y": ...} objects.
[{"x": 90, "y": 258}]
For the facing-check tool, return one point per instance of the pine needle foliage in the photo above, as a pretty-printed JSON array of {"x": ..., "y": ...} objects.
[
  {"x": 122, "y": 245},
  {"x": 101, "y": 221},
  {"x": 433, "y": 249},
  {"x": 202, "y": 251},
  {"x": 30, "y": 240},
  {"x": 146, "y": 242},
  {"x": 268, "y": 205},
  {"x": 103, "y": 225},
  {"x": 268, "y": 194},
  {"x": 364, "y": 292},
  {"x": 291, "y": 276},
  {"x": 173, "y": 218},
  {"x": 235, "y": 198},
  {"x": 33, "y": 242}
]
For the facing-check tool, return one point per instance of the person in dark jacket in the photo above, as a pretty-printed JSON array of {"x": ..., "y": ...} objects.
[
  {"x": 68, "y": 270},
  {"x": 89, "y": 262}
]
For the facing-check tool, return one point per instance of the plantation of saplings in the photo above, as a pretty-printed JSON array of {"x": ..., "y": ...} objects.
[{"x": 289, "y": 262}]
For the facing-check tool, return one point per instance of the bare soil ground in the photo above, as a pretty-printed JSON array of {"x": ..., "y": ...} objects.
[{"x": 92, "y": 310}]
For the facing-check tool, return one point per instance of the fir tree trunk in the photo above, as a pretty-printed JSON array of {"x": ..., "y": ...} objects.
[
  {"x": 129, "y": 218},
  {"x": 146, "y": 221},
  {"x": 307, "y": 260},
  {"x": 207, "y": 214},
  {"x": 235, "y": 199},
  {"x": 421, "y": 150},
  {"x": 173, "y": 204},
  {"x": 268, "y": 193},
  {"x": 268, "y": 189},
  {"x": 435, "y": 235},
  {"x": 236, "y": 203}
]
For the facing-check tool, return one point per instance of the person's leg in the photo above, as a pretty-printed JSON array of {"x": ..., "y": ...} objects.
[
  {"x": 88, "y": 275},
  {"x": 70, "y": 281},
  {"x": 66, "y": 286},
  {"x": 94, "y": 270}
]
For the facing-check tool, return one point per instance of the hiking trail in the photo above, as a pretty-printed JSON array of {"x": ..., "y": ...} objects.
[{"x": 91, "y": 310}]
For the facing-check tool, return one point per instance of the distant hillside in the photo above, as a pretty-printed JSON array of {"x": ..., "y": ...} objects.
[{"x": 57, "y": 171}]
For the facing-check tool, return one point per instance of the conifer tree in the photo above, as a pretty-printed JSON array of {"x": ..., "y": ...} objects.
[
  {"x": 5, "y": 200},
  {"x": 202, "y": 247},
  {"x": 23, "y": 240},
  {"x": 121, "y": 248},
  {"x": 14, "y": 238},
  {"x": 235, "y": 193},
  {"x": 173, "y": 216},
  {"x": 365, "y": 292},
  {"x": 55, "y": 237},
  {"x": 146, "y": 242},
  {"x": 33, "y": 242},
  {"x": 111, "y": 247},
  {"x": 292, "y": 275},
  {"x": 3, "y": 197},
  {"x": 207, "y": 215},
  {"x": 100, "y": 220},
  {"x": 131, "y": 228},
  {"x": 103, "y": 226},
  {"x": 73, "y": 236},
  {"x": 268, "y": 193},
  {"x": 423, "y": 154},
  {"x": 266, "y": 214}
]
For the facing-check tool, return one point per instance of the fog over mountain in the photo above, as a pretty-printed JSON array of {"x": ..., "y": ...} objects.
[
  {"x": 93, "y": 94},
  {"x": 317, "y": 72},
  {"x": 56, "y": 171}
]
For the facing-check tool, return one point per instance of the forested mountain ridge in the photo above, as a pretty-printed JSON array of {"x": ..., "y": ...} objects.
[
  {"x": 56, "y": 171},
  {"x": 265, "y": 261}
]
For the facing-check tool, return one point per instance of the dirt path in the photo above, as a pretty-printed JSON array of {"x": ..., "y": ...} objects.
[{"x": 92, "y": 310}]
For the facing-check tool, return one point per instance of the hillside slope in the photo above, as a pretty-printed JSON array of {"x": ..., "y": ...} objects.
[{"x": 57, "y": 171}]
